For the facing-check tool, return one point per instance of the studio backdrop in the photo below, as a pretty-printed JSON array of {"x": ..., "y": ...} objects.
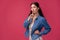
[{"x": 14, "y": 12}]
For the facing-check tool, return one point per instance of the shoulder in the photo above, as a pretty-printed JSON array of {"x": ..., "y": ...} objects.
[{"x": 41, "y": 18}]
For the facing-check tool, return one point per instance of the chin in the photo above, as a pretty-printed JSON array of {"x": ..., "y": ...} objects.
[{"x": 34, "y": 12}]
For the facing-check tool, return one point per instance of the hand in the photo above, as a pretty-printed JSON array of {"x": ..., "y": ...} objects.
[
  {"x": 37, "y": 32},
  {"x": 31, "y": 16}
]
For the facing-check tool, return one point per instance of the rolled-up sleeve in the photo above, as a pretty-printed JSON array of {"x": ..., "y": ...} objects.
[{"x": 46, "y": 27}]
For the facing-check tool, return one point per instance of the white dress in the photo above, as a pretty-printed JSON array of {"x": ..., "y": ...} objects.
[{"x": 30, "y": 29}]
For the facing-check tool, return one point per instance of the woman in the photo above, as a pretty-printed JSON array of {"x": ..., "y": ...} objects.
[{"x": 35, "y": 22}]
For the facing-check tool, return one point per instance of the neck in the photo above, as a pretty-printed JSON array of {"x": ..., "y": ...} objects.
[{"x": 36, "y": 14}]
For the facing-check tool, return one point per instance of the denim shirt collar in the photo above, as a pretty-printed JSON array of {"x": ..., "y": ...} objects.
[{"x": 37, "y": 17}]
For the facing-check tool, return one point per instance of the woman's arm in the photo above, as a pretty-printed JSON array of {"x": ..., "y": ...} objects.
[
  {"x": 27, "y": 22},
  {"x": 46, "y": 26}
]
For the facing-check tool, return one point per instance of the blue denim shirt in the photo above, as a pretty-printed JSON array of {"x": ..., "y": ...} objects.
[{"x": 39, "y": 23}]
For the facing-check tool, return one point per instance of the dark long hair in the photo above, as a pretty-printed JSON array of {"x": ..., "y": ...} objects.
[{"x": 39, "y": 11}]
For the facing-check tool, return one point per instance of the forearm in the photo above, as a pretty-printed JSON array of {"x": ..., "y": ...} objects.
[{"x": 27, "y": 23}]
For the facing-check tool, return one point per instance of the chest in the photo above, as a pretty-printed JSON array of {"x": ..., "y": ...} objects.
[
  {"x": 31, "y": 25},
  {"x": 34, "y": 25}
]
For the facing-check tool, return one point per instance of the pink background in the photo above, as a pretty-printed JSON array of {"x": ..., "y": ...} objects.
[{"x": 14, "y": 12}]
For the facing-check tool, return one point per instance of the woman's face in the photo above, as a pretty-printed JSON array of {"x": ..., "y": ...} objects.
[{"x": 34, "y": 8}]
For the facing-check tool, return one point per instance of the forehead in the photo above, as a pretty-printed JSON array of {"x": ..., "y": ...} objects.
[{"x": 33, "y": 5}]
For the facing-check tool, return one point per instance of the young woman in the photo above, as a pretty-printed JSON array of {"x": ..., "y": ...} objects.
[{"x": 35, "y": 22}]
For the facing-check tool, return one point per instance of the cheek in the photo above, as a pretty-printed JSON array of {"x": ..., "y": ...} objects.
[{"x": 35, "y": 9}]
